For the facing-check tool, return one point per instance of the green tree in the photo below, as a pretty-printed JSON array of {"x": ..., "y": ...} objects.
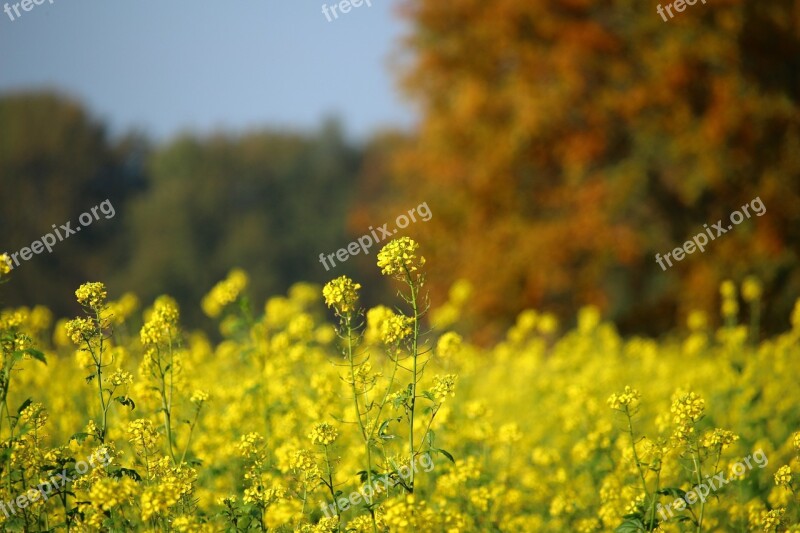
[
  {"x": 268, "y": 202},
  {"x": 56, "y": 162}
]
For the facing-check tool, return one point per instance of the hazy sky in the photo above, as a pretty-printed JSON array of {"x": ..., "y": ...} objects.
[{"x": 163, "y": 66}]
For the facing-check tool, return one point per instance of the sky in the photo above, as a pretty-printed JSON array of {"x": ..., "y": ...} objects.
[{"x": 162, "y": 67}]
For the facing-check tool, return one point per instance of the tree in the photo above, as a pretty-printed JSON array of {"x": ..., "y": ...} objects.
[
  {"x": 564, "y": 143},
  {"x": 56, "y": 162},
  {"x": 268, "y": 202}
]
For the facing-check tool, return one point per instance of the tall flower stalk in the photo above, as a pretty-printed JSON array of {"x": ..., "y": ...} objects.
[
  {"x": 399, "y": 260},
  {"x": 159, "y": 335},
  {"x": 90, "y": 334}
]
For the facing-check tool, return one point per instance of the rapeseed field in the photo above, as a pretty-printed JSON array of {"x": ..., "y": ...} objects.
[{"x": 312, "y": 414}]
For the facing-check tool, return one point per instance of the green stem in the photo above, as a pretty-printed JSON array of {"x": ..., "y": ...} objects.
[
  {"x": 191, "y": 430},
  {"x": 414, "y": 347},
  {"x": 636, "y": 458},
  {"x": 351, "y": 360},
  {"x": 697, "y": 469},
  {"x": 330, "y": 485}
]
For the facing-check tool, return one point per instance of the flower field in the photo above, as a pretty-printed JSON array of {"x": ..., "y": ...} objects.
[{"x": 312, "y": 414}]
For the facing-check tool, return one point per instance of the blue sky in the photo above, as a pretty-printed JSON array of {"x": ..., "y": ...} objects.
[{"x": 165, "y": 66}]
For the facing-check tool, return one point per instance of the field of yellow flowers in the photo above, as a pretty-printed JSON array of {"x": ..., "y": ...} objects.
[{"x": 316, "y": 416}]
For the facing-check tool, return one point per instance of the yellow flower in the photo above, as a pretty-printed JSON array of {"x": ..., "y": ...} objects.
[
  {"x": 224, "y": 293},
  {"x": 398, "y": 258},
  {"x": 303, "y": 460},
  {"x": 80, "y": 330},
  {"x": 770, "y": 520},
  {"x": 697, "y": 321},
  {"x": 35, "y": 415},
  {"x": 449, "y": 345},
  {"x": 92, "y": 295},
  {"x": 727, "y": 289},
  {"x": 721, "y": 438},
  {"x": 162, "y": 322},
  {"x": 108, "y": 493},
  {"x": 751, "y": 289},
  {"x": 5, "y": 265},
  {"x": 444, "y": 387},
  {"x": 687, "y": 408},
  {"x": 122, "y": 309},
  {"x": 121, "y": 377},
  {"x": 158, "y": 499},
  {"x": 386, "y": 326},
  {"x": 509, "y": 433},
  {"x": 341, "y": 294},
  {"x": 143, "y": 436},
  {"x": 199, "y": 396},
  {"x": 627, "y": 398},
  {"x": 783, "y": 477},
  {"x": 323, "y": 434},
  {"x": 250, "y": 445}
]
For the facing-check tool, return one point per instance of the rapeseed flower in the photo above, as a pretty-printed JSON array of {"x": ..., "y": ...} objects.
[
  {"x": 5, "y": 265},
  {"x": 224, "y": 293},
  {"x": 783, "y": 477},
  {"x": 92, "y": 295},
  {"x": 342, "y": 295},
  {"x": 398, "y": 258},
  {"x": 323, "y": 434}
]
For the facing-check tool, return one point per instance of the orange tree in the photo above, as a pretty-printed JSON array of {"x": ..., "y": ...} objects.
[{"x": 563, "y": 143}]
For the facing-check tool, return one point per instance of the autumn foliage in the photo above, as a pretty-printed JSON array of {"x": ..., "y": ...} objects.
[{"x": 565, "y": 142}]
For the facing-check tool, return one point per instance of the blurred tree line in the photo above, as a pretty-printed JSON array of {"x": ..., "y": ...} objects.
[
  {"x": 562, "y": 144},
  {"x": 186, "y": 212}
]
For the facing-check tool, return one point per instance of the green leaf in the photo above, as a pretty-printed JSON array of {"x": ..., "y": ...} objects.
[
  {"x": 90, "y": 378},
  {"x": 124, "y": 400},
  {"x": 631, "y": 525},
  {"x": 446, "y": 454},
  {"x": 36, "y": 354},
  {"x": 80, "y": 437},
  {"x": 117, "y": 474},
  {"x": 25, "y": 404},
  {"x": 669, "y": 491},
  {"x": 430, "y": 435}
]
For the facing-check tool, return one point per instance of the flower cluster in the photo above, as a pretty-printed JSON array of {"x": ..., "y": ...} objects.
[
  {"x": 342, "y": 295},
  {"x": 143, "y": 436},
  {"x": 625, "y": 399},
  {"x": 783, "y": 477},
  {"x": 81, "y": 330},
  {"x": 444, "y": 386},
  {"x": 162, "y": 322},
  {"x": 323, "y": 434},
  {"x": 687, "y": 408},
  {"x": 719, "y": 438},
  {"x": 5, "y": 265},
  {"x": 449, "y": 345},
  {"x": 386, "y": 326},
  {"x": 224, "y": 293},
  {"x": 92, "y": 295},
  {"x": 398, "y": 258}
]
